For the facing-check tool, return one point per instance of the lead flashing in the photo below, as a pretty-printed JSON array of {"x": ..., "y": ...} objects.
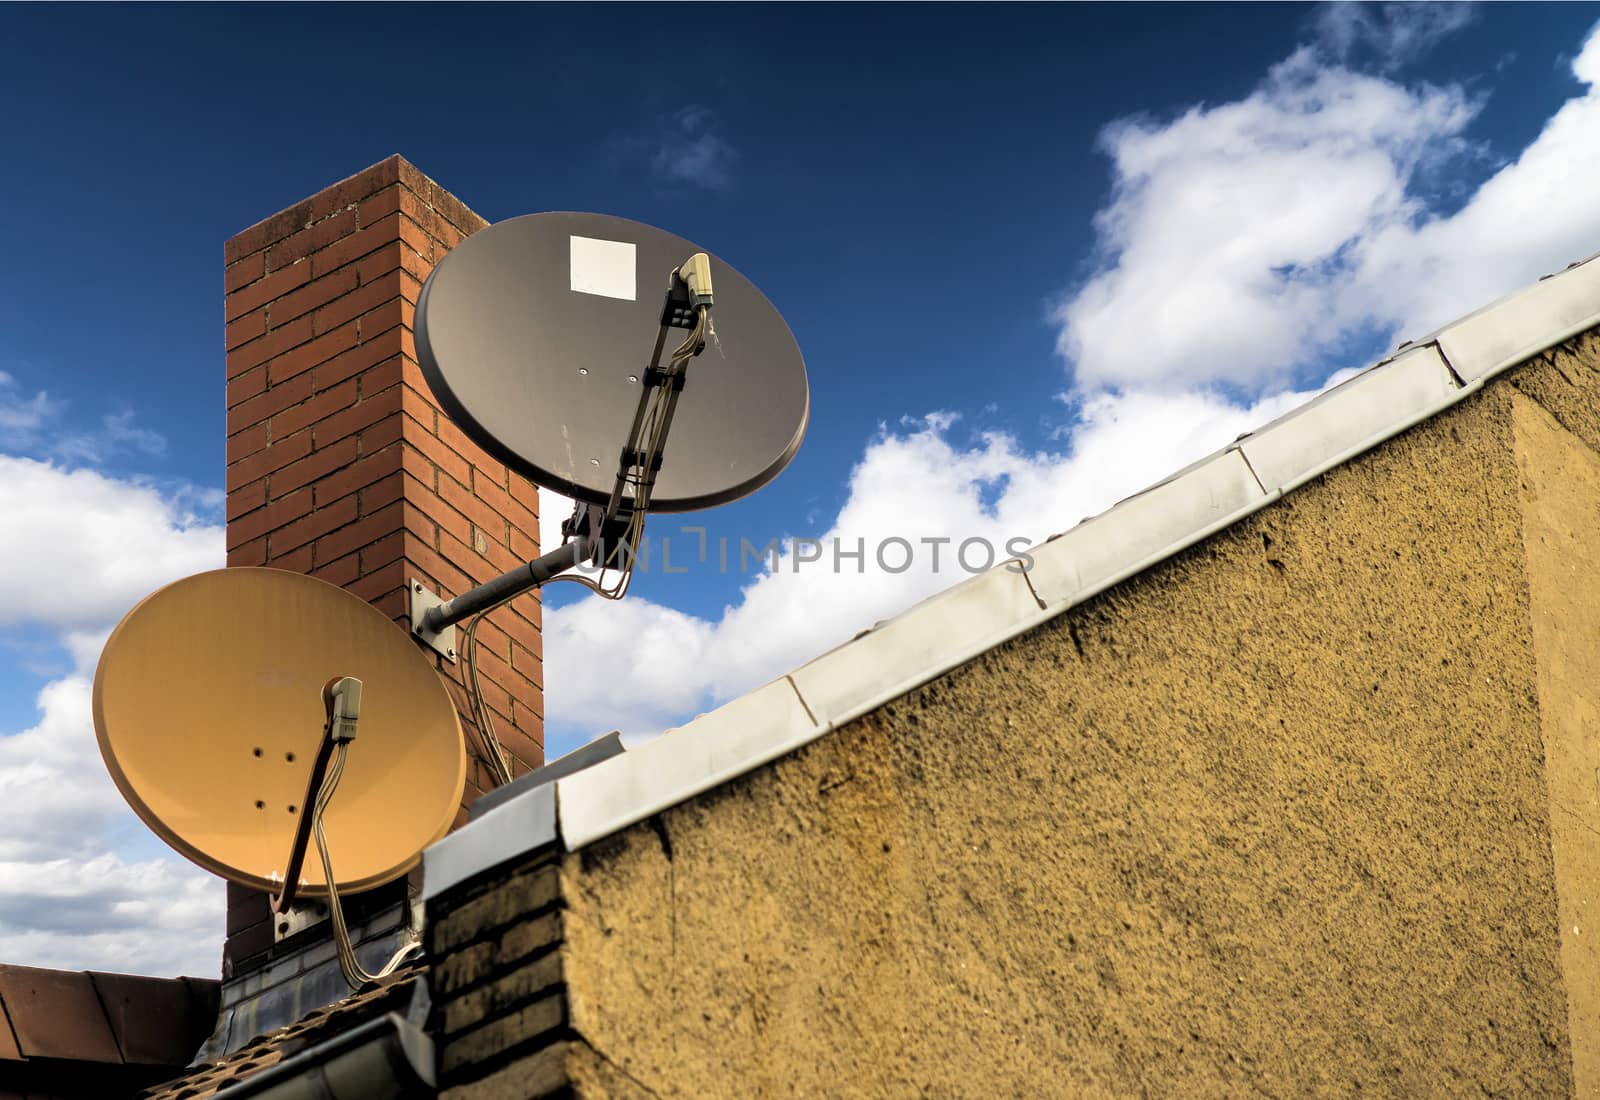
[{"x": 957, "y": 625}]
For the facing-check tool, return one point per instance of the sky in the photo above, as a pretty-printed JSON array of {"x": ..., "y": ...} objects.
[{"x": 1036, "y": 258}]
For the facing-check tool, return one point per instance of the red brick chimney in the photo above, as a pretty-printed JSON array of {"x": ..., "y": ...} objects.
[{"x": 340, "y": 463}]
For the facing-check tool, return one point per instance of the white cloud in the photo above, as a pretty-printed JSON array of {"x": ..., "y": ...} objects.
[
  {"x": 692, "y": 152},
  {"x": 90, "y": 546},
  {"x": 20, "y": 417},
  {"x": 1245, "y": 240},
  {"x": 913, "y": 484},
  {"x": 1241, "y": 243},
  {"x": 1394, "y": 33}
]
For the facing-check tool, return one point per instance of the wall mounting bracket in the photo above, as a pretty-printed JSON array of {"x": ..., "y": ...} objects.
[{"x": 442, "y": 640}]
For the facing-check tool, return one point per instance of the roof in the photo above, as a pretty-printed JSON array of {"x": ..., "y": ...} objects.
[
  {"x": 391, "y": 994},
  {"x": 71, "y": 1030},
  {"x": 1423, "y": 378}
]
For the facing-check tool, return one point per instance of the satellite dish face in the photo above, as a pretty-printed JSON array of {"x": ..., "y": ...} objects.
[
  {"x": 208, "y": 707},
  {"x": 535, "y": 333}
]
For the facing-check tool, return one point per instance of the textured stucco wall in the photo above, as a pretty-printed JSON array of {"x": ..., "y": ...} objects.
[{"x": 1273, "y": 816}]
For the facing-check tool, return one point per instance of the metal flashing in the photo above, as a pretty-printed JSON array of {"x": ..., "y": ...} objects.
[
  {"x": 514, "y": 828},
  {"x": 895, "y": 656},
  {"x": 1524, "y": 323},
  {"x": 739, "y": 735},
  {"x": 957, "y": 625},
  {"x": 1154, "y": 524},
  {"x": 1348, "y": 419}
]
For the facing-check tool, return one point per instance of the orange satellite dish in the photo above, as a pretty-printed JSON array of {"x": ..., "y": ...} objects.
[{"x": 209, "y": 711}]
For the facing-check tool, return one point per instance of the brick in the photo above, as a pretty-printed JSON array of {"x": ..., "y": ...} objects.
[
  {"x": 374, "y": 555},
  {"x": 264, "y": 405},
  {"x": 528, "y": 666},
  {"x": 399, "y": 516},
  {"x": 312, "y": 238},
  {"x": 454, "y": 438},
  {"x": 319, "y": 522},
  {"x": 523, "y": 628},
  {"x": 523, "y": 546},
  {"x": 297, "y": 560},
  {"x": 312, "y": 353},
  {"x": 363, "y": 242},
  {"x": 473, "y": 507},
  {"x": 542, "y": 1073},
  {"x": 397, "y": 312},
  {"x": 273, "y": 516},
  {"x": 375, "y": 265},
  {"x": 357, "y": 302},
  {"x": 528, "y": 715},
  {"x": 448, "y": 577},
  {"x": 245, "y": 443},
  {"x": 346, "y": 192},
  {"x": 381, "y": 435},
  {"x": 378, "y": 206},
  {"x": 264, "y": 291},
  {"x": 350, "y": 417},
  {"x": 386, "y": 489},
  {"x": 311, "y": 467},
  {"x": 520, "y": 895},
  {"x": 384, "y": 589},
  {"x": 538, "y": 977},
  {"x": 364, "y": 472},
  {"x": 368, "y": 354},
  {"x": 319, "y": 293},
  {"x": 244, "y": 330},
  {"x": 420, "y": 468},
  {"x": 448, "y": 519},
  {"x": 520, "y": 515},
  {"x": 437, "y": 198},
  {"x": 494, "y": 558},
  {"x": 340, "y": 571},
  {"x": 506, "y": 1033},
  {"x": 264, "y": 462},
  {"x": 243, "y": 272},
  {"x": 246, "y": 499},
  {"x": 251, "y": 553},
  {"x": 245, "y": 386},
  {"x": 277, "y": 341},
  {"x": 441, "y": 454},
  {"x": 319, "y": 407}
]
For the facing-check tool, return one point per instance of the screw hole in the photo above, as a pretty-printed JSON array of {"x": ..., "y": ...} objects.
[
  {"x": 258, "y": 752},
  {"x": 260, "y": 805},
  {"x": 291, "y": 809},
  {"x": 633, "y": 378},
  {"x": 289, "y": 757},
  {"x": 583, "y": 370},
  {"x": 283, "y": 929}
]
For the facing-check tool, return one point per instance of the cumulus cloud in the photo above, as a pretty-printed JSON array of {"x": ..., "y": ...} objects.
[
  {"x": 91, "y": 545},
  {"x": 1243, "y": 241},
  {"x": 917, "y": 482},
  {"x": 71, "y": 896},
  {"x": 1244, "y": 245}
]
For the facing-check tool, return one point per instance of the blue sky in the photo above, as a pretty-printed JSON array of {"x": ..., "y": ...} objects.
[{"x": 1036, "y": 257}]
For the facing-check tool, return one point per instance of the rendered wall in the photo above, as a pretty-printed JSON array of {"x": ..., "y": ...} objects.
[{"x": 1273, "y": 816}]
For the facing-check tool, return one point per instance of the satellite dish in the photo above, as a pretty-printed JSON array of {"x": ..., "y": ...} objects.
[
  {"x": 209, "y": 709},
  {"x": 534, "y": 335}
]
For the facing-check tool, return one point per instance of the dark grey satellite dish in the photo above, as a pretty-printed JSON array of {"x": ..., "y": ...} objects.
[{"x": 535, "y": 334}]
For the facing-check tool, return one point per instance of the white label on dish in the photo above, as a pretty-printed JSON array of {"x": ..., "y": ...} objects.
[{"x": 607, "y": 268}]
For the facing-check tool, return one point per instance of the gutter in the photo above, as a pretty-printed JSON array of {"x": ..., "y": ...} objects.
[{"x": 383, "y": 1059}]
